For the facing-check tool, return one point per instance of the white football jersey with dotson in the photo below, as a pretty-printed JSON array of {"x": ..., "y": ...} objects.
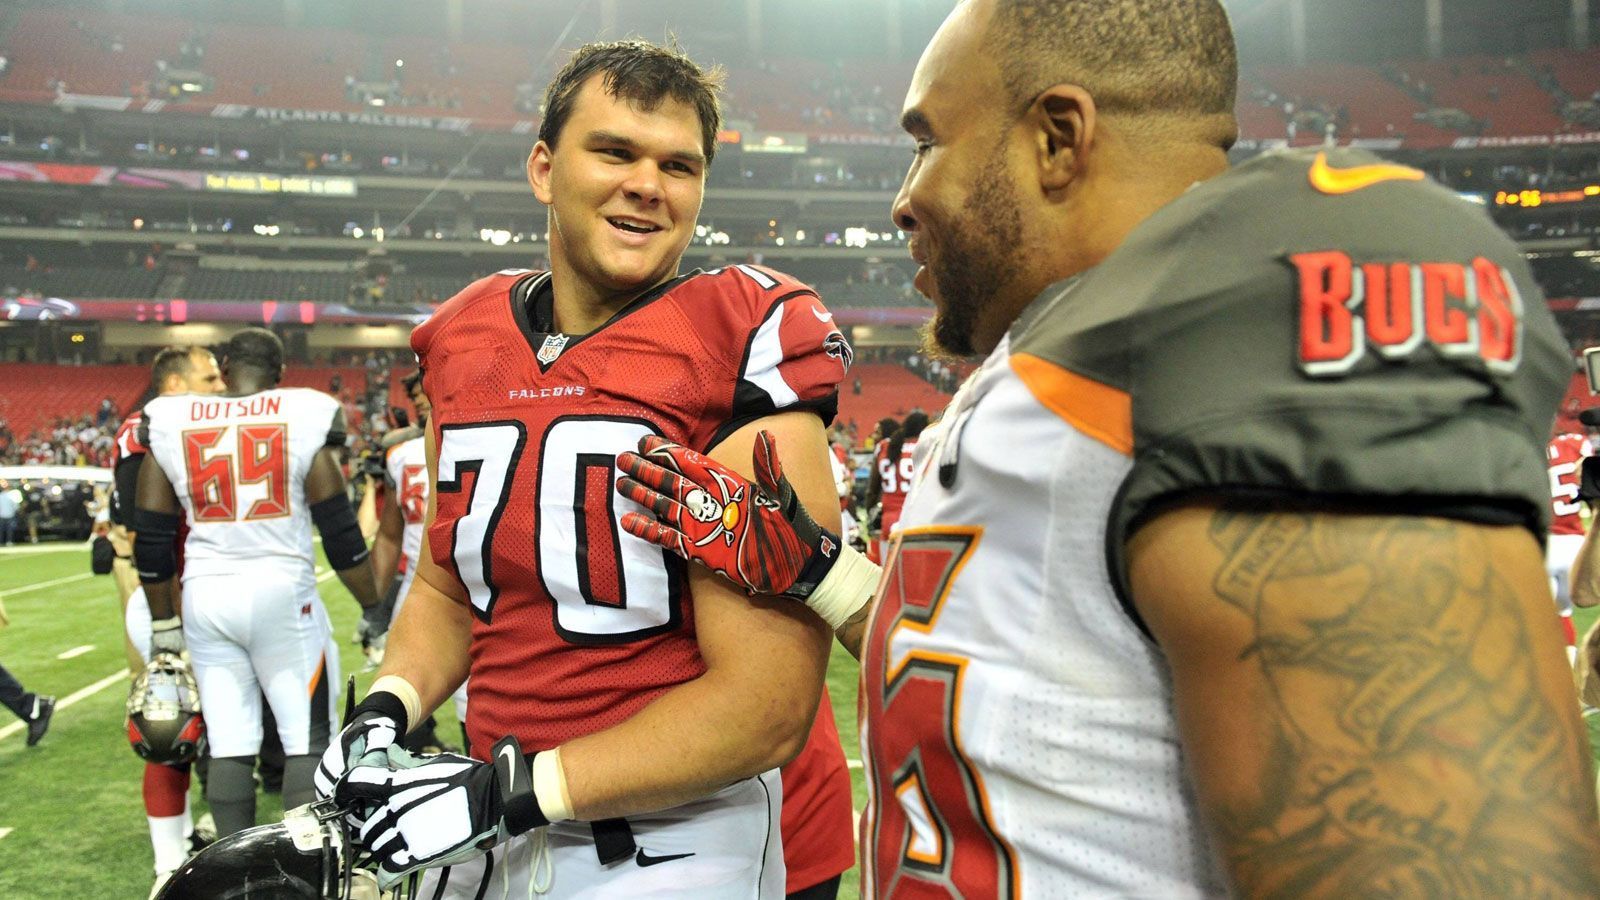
[{"x": 239, "y": 466}]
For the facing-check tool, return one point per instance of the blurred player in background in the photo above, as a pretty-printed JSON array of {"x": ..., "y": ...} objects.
[
  {"x": 1566, "y": 452},
  {"x": 877, "y": 441},
  {"x": 399, "y": 540},
  {"x": 175, "y": 370},
  {"x": 249, "y": 472},
  {"x": 892, "y": 461},
  {"x": 35, "y": 710}
]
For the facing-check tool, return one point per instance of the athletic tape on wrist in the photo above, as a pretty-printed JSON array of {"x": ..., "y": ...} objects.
[
  {"x": 403, "y": 689},
  {"x": 849, "y": 585},
  {"x": 550, "y": 786}
]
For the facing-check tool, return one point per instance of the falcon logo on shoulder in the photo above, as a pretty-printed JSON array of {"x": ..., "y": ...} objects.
[
  {"x": 551, "y": 348},
  {"x": 1394, "y": 307},
  {"x": 838, "y": 348}
]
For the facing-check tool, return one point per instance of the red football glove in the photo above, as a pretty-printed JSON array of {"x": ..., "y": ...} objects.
[{"x": 756, "y": 535}]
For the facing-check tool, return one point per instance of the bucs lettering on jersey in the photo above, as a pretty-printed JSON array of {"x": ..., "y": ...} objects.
[
  {"x": 239, "y": 465},
  {"x": 1020, "y": 737},
  {"x": 1566, "y": 452},
  {"x": 407, "y": 469},
  {"x": 577, "y": 623}
]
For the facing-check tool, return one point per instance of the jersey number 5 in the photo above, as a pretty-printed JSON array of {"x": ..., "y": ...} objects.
[
  {"x": 609, "y": 587},
  {"x": 929, "y": 833},
  {"x": 261, "y": 458}
]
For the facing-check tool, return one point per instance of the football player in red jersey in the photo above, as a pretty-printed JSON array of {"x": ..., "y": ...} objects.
[
  {"x": 175, "y": 370},
  {"x": 892, "y": 462},
  {"x": 1264, "y": 612},
  {"x": 1566, "y": 453},
  {"x": 608, "y": 680}
]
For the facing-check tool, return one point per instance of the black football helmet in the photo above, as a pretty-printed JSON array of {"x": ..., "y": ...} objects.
[
  {"x": 164, "y": 721},
  {"x": 304, "y": 857}
]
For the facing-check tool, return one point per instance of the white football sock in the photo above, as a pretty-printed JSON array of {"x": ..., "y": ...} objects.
[{"x": 169, "y": 840}]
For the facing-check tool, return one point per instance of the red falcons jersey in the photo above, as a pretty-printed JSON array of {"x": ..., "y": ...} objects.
[
  {"x": 577, "y": 624},
  {"x": 1566, "y": 453},
  {"x": 128, "y": 445},
  {"x": 895, "y": 477}
]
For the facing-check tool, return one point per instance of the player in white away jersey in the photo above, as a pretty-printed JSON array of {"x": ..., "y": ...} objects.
[
  {"x": 1222, "y": 575},
  {"x": 399, "y": 538},
  {"x": 250, "y": 470}
]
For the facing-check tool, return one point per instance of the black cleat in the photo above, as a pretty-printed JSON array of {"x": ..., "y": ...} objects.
[{"x": 39, "y": 723}]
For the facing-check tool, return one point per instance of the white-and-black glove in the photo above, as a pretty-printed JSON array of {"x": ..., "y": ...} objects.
[
  {"x": 374, "y": 726},
  {"x": 166, "y": 636},
  {"x": 422, "y": 812}
]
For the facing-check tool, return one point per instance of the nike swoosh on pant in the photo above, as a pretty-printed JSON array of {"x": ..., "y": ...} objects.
[{"x": 645, "y": 859}]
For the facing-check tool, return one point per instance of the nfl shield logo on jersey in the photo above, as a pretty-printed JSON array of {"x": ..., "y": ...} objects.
[{"x": 552, "y": 347}]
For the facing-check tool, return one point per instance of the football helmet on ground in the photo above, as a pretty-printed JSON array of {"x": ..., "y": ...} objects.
[
  {"x": 164, "y": 721},
  {"x": 304, "y": 857}
]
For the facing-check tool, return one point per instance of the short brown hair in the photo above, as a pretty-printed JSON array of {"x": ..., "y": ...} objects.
[
  {"x": 641, "y": 73},
  {"x": 173, "y": 361},
  {"x": 1136, "y": 57}
]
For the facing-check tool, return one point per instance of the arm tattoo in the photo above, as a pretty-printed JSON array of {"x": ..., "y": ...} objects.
[{"x": 1413, "y": 752}]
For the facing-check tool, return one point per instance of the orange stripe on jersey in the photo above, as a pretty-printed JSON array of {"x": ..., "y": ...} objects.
[
  {"x": 1098, "y": 410},
  {"x": 316, "y": 679}
]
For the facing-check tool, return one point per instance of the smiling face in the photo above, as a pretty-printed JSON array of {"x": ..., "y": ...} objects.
[
  {"x": 960, "y": 200},
  {"x": 624, "y": 186}
]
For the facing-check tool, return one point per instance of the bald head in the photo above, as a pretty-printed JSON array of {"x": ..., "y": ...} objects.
[{"x": 1172, "y": 60}]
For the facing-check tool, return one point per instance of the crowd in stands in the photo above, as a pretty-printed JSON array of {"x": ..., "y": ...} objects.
[{"x": 83, "y": 440}]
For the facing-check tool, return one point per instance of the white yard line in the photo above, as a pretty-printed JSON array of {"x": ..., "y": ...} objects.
[
  {"x": 30, "y": 549},
  {"x": 98, "y": 686},
  {"x": 5, "y": 831},
  {"x": 852, "y": 763},
  {"x": 44, "y": 584},
  {"x": 70, "y": 699},
  {"x": 75, "y": 652}
]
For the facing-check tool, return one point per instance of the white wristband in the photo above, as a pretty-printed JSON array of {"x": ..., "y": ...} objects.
[
  {"x": 403, "y": 689},
  {"x": 848, "y": 586},
  {"x": 550, "y": 786}
]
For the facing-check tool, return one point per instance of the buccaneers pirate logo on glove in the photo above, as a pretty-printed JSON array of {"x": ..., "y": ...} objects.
[{"x": 768, "y": 544}]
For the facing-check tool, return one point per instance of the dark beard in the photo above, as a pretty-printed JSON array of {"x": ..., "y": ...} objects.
[{"x": 975, "y": 260}]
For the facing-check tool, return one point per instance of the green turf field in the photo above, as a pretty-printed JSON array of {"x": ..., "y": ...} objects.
[{"x": 71, "y": 821}]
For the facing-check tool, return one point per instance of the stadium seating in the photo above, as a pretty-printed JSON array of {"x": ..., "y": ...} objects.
[
  {"x": 1578, "y": 72},
  {"x": 887, "y": 389},
  {"x": 267, "y": 284},
  {"x": 81, "y": 282},
  {"x": 1377, "y": 108},
  {"x": 1504, "y": 98},
  {"x": 37, "y": 394},
  {"x": 305, "y": 68}
]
